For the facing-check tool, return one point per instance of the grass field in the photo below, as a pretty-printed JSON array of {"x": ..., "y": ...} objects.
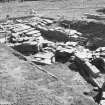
[{"x": 70, "y": 9}]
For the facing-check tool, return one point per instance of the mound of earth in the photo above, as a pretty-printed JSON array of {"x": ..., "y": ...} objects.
[{"x": 23, "y": 84}]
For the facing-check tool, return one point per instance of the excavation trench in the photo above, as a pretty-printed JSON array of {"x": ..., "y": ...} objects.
[
  {"x": 94, "y": 32},
  {"x": 26, "y": 49}
]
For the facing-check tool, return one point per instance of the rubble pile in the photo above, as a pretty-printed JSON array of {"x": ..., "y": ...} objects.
[
  {"x": 23, "y": 34},
  {"x": 28, "y": 33}
]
